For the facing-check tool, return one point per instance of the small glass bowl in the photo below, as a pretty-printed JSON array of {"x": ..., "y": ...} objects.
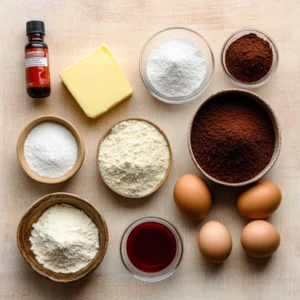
[
  {"x": 156, "y": 276},
  {"x": 262, "y": 35},
  {"x": 167, "y": 34}
]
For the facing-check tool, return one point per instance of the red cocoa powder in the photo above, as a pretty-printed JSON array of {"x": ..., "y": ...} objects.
[
  {"x": 232, "y": 138},
  {"x": 249, "y": 58}
]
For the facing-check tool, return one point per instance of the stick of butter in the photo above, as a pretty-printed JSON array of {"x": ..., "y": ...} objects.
[{"x": 97, "y": 82}]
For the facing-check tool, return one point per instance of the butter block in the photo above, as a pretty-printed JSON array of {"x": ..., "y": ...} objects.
[{"x": 97, "y": 82}]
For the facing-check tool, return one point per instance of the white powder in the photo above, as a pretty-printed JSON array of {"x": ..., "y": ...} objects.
[
  {"x": 176, "y": 67},
  {"x": 64, "y": 239},
  {"x": 134, "y": 158},
  {"x": 50, "y": 150}
]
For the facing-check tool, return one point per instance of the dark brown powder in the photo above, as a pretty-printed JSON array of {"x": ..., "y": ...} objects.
[
  {"x": 249, "y": 58},
  {"x": 232, "y": 138}
]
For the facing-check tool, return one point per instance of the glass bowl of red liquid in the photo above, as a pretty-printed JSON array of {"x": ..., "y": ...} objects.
[{"x": 151, "y": 249}]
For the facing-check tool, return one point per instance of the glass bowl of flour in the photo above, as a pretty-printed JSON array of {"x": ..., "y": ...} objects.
[{"x": 176, "y": 65}]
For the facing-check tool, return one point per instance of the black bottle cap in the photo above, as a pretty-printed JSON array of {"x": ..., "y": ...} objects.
[{"x": 35, "y": 27}]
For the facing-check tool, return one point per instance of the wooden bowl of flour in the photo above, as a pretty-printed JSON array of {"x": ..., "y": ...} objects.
[
  {"x": 22, "y": 159},
  {"x": 107, "y": 133},
  {"x": 32, "y": 215}
]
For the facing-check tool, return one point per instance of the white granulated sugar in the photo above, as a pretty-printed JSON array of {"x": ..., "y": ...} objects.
[
  {"x": 176, "y": 67},
  {"x": 134, "y": 158},
  {"x": 64, "y": 239},
  {"x": 50, "y": 150}
]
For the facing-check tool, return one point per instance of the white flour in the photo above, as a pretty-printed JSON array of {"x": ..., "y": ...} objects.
[
  {"x": 50, "y": 150},
  {"x": 134, "y": 158},
  {"x": 176, "y": 67},
  {"x": 64, "y": 239}
]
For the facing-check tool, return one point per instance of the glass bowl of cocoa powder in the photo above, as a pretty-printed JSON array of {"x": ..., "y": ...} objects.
[
  {"x": 234, "y": 137},
  {"x": 249, "y": 57}
]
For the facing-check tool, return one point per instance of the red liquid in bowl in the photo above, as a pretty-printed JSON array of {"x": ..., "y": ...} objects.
[{"x": 151, "y": 247}]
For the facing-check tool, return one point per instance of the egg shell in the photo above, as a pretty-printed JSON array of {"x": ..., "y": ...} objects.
[
  {"x": 192, "y": 196},
  {"x": 260, "y": 239},
  {"x": 260, "y": 201},
  {"x": 214, "y": 242}
]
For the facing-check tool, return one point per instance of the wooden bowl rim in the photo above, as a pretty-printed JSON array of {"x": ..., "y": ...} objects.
[
  {"x": 276, "y": 127},
  {"x": 169, "y": 166},
  {"x": 20, "y": 149},
  {"x": 98, "y": 257}
]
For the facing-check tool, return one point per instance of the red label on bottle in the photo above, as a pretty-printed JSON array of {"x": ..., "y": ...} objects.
[{"x": 37, "y": 67}]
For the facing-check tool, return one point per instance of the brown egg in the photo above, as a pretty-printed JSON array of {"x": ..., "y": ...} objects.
[
  {"x": 192, "y": 196},
  {"x": 260, "y": 201},
  {"x": 260, "y": 239},
  {"x": 214, "y": 242}
]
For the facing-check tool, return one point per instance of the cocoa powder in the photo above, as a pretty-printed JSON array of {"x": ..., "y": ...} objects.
[
  {"x": 232, "y": 138},
  {"x": 249, "y": 58}
]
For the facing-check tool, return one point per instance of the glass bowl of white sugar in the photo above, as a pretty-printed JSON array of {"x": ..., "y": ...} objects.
[{"x": 176, "y": 65}]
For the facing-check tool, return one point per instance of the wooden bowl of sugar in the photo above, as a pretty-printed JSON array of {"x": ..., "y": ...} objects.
[
  {"x": 33, "y": 214},
  {"x": 69, "y": 130}
]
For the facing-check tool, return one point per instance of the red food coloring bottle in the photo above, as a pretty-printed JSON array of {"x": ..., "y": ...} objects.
[{"x": 37, "y": 61}]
